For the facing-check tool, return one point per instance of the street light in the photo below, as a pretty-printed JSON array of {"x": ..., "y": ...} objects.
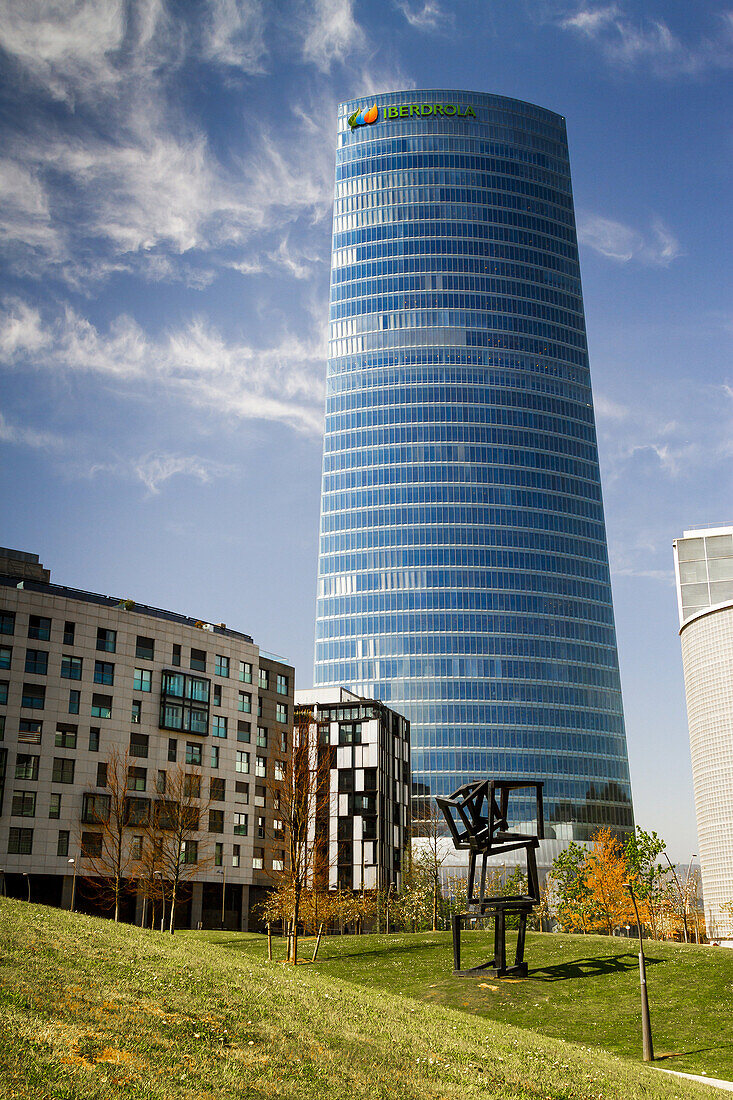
[
  {"x": 646, "y": 1028},
  {"x": 28, "y": 880},
  {"x": 73, "y": 884}
]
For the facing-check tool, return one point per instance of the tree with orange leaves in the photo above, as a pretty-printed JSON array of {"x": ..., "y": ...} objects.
[{"x": 605, "y": 875}]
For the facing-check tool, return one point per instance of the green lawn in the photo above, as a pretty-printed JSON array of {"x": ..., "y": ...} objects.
[
  {"x": 582, "y": 988},
  {"x": 94, "y": 1011}
]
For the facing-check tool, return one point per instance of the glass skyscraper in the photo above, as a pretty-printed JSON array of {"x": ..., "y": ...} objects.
[{"x": 463, "y": 572}]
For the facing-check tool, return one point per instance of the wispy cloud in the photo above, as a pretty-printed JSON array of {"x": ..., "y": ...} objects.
[
  {"x": 280, "y": 383},
  {"x": 157, "y": 468},
  {"x": 425, "y": 15},
  {"x": 234, "y": 35},
  {"x": 659, "y": 247},
  {"x": 628, "y": 42},
  {"x": 331, "y": 33},
  {"x": 27, "y": 437}
]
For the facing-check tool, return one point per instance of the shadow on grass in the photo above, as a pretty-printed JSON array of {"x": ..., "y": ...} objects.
[
  {"x": 590, "y": 968},
  {"x": 397, "y": 949}
]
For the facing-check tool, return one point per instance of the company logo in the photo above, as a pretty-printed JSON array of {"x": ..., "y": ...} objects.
[
  {"x": 407, "y": 110},
  {"x": 364, "y": 118}
]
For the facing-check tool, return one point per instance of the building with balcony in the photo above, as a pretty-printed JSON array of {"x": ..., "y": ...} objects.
[{"x": 87, "y": 681}]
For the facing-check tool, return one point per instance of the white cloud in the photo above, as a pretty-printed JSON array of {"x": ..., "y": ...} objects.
[
  {"x": 155, "y": 469},
  {"x": 620, "y": 242},
  {"x": 425, "y": 15},
  {"x": 27, "y": 437},
  {"x": 234, "y": 35},
  {"x": 628, "y": 42},
  {"x": 331, "y": 32},
  {"x": 281, "y": 383}
]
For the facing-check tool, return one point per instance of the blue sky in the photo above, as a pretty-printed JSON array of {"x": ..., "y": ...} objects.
[{"x": 166, "y": 177}]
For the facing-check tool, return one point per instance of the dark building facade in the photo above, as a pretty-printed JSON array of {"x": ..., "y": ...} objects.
[{"x": 463, "y": 571}]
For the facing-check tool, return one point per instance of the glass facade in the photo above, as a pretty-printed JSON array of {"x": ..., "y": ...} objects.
[{"x": 463, "y": 574}]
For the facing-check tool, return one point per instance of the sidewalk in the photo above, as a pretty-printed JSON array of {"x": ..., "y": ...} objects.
[{"x": 726, "y": 1086}]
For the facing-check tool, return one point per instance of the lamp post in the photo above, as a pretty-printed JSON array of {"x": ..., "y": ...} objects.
[
  {"x": 646, "y": 1027},
  {"x": 27, "y": 877},
  {"x": 73, "y": 884}
]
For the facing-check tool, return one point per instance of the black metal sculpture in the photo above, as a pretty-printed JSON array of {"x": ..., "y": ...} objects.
[{"x": 478, "y": 818}]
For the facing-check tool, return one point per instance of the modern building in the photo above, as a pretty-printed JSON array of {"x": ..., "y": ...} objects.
[
  {"x": 84, "y": 677},
  {"x": 463, "y": 573},
  {"x": 703, "y": 561},
  {"x": 364, "y": 804}
]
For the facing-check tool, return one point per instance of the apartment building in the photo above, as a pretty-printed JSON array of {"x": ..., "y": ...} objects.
[
  {"x": 364, "y": 804},
  {"x": 87, "y": 679}
]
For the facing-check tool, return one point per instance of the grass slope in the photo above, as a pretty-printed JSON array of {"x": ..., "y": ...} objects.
[
  {"x": 582, "y": 988},
  {"x": 93, "y": 1010}
]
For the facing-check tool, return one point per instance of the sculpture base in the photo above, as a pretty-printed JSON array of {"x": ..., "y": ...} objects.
[{"x": 498, "y": 908}]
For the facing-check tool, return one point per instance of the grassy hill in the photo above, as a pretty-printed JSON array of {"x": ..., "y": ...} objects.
[{"x": 90, "y": 1010}]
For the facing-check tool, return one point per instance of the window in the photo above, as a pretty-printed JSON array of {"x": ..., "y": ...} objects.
[
  {"x": 275, "y": 800},
  {"x": 259, "y": 706},
  {"x": 62, "y": 844},
  {"x": 245, "y": 672},
  {"x": 91, "y": 845},
  {"x": 106, "y": 640},
  {"x": 217, "y": 695},
  {"x": 63, "y": 770},
  {"x": 258, "y": 859},
  {"x": 242, "y": 762},
  {"x": 261, "y": 737},
  {"x": 137, "y": 811},
  {"x": 20, "y": 842},
  {"x": 281, "y": 712},
  {"x": 281, "y": 684},
  {"x": 139, "y": 744},
  {"x": 166, "y": 814},
  {"x": 217, "y": 789},
  {"x": 160, "y": 782},
  {"x": 101, "y": 706},
  {"x": 192, "y": 785},
  {"x": 2, "y": 728},
  {"x": 54, "y": 806},
  {"x": 261, "y": 766},
  {"x": 95, "y": 808},
  {"x": 65, "y": 736},
  {"x": 350, "y": 733},
  {"x": 74, "y": 701},
  {"x": 136, "y": 847},
  {"x": 104, "y": 672},
  {"x": 218, "y": 726},
  {"x": 214, "y": 756},
  {"x": 245, "y": 702},
  {"x": 70, "y": 668},
  {"x": 101, "y": 775},
  {"x": 145, "y": 648},
  {"x": 176, "y": 657},
  {"x": 216, "y": 822},
  {"x": 264, "y": 679},
  {"x": 218, "y": 852},
  {"x": 136, "y": 712},
  {"x": 29, "y": 731},
  {"x": 189, "y": 851},
  {"x": 193, "y": 753},
  {"x": 69, "y": 632},
  {"x": 136, "y": 778},
  {"x": 24, "y": 804},
  {"x": 244, "y": 731},
  {"x": 94, "y": 739},
  {"x": 36, "y": 661},
  {"x": 172, "y": 749},
  {"x": 221, "y": 665},
  {"x": 198, "y": 660},
  {"x": 26, "y": 767},
  {"x": 260, "y": 795},
  {"x": 142, "y": 679},
  {"x": 278, "y": 826},
  {"x": 260, "y": 828},
  {"x": 243, "y": 790},
  {"x": 184, "y": 703},
  {"x": 283, "y": 742},
  {"x": 278, "y": 861},
  {"x": 240, "y": 824},
  {"x": 6, "y": 656},
  {"x": 235, "y": 856},
  {"x": 34, "y": 696},
  {"x": 39, "y": 628},
  {"x": 7, "y": 622},
  {"x": 4, "y": 691},
  {"x": 279, "y": 769}
]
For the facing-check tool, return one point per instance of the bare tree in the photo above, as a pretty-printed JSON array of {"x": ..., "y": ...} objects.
[
  {"x": 108, "y": 858},
  {"x": 431, "y": 855}
]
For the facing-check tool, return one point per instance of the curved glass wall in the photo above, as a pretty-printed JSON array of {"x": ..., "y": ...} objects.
[{"x": 463, "y": 573}]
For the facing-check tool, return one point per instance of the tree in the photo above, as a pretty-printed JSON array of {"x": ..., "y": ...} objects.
[
  {"x": 430, "y": 830},
  {"x": 107, "y": 853},
  {"x": 173, "y": 852},
  {"x": 642, "y": 852},
  {"x": 573, "y": 897},
  {"x": 605, "y": 875}
]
